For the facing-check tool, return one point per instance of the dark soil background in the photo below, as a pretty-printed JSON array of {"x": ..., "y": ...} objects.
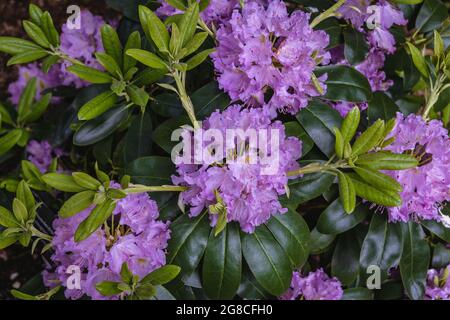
[{"x": 17, "y": 265}]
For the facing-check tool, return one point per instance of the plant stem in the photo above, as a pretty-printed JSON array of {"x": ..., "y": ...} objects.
[
  {"x": 204, "y": 27},
  {"x": 327, "y": 14},
  {"x": 434, "y": 96},
  {"x": 185, "y": 99},
  {"x": 137, "y": 188},
  {"x": 319, "y": 167}
]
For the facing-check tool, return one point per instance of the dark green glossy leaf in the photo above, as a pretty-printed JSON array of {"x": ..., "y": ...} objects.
[
  {"x": 320, "y": 242},
  {"x": 292, "y": 233},
  {"x": 267, "y": 261},
  {"x": 414, "y": 261},
  {"x": 99, "y": 128},
  {"x": 359, "y": 293},
  {"x": 381, "y": 107},
  {"x": 356, "y": 47},
  {"x": 167, "y": 105},
  {"x": 162, "y": 134},
  {"x": 318, "y": 120},
  {"x": 345, "y": 84},
  {"x": 335, "y": 220},
  {"x": 431, "y": 15},
  {"x": 138, "y": 141},
  {"x": 294, "y": 129},
  {"x": 308, "y": 187},
  {"x": 438, "y": 229},
  {"x": 188, "y": 241},
  {"x": 223, "y": 263},
  {"x": 208, "y": 99},
  {"x": 345, "y": 261},
  {"x": 151, "y": 171}
]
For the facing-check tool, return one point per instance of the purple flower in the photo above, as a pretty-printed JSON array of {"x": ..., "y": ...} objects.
[
  {"x": 138, "y": 240},
  {"x": 41, "y": 154},
  {"x": 438, "y": 284},
  {"x": 355, "y": 11},
  {"x": 216, "y": 12},
  {"x": 267, "y": 56},
  {"x": 316, "y": 285},
  {"x": 427, "y": 186},
  {"x": 249, "y": 192},
  {"x": 81, "y": 44},
  {"x": 26, "y": 72}
]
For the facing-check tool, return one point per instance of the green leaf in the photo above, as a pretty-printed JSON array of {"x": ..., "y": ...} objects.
[
  {"x": 198, "y": 58},
  {"x": 6, "y": 241},
  {"x": 108, "y": 288},
  {"x": 308, "y": 187},
  {"x": 38, "y": 109},
  {"x": 49, "y": 29},
  {"x": 359, "y": 293},
  {"x": 36, "y": 34},
  {"x": 7, "y": 219},
  {"x": 90, "y": 74},
  {"x": 76, "y": 204},
  {"x": 112, "y": 44},
  {"x": 369, "y": 138},
  {"x": 149, "y": 76},
  {"x": 292, "y": 233},
  {"x": 147, "y": 58},
  {"x": 35, "y": 13},
  {"x": 339, "y": 145},
  {"x": 208, "y": 99},
  {"x": 321, "y": 242},
  {"x": 20, "y": 211},
  {"x": 188, "y": 241},
  {"x": 441, "y": 256},
  {"x": 345, "y": 84},
  {"x": 162, "y": 134},
  {"x": 188, "y": 23},
  {"x": 48, "y": 62},
  {"x": 162, "y": 275},
  {"x": 431, "y": 15},
  {"x": 108, "y": 63},
  {"x": 151, "y": 171},
  {"x": 178, "y": 4},
  {"x": 350, "y": 124},
  {"x": 133, "y": 42},
  {"x": 382, "y": 197},
  {"x": 378, "y": 179},
  {"x": 222, "y": 264},
  {"x": 95, "y": 219},
  {"x": 101, "y": 127},
  {"x": 194, "y": 44},
  {"x": 333, "y": 28},
  {"x": 418, "y": 59},
  {"x": 334, "y": 219},
  {"x": 356, "y": 47},
  {"x": 318, "y": 120},
  {"x": 137, "y": 142},
  {"x": 26, "y": 99},
  {"x": 9, "y": 140},
  {"x": 154, "y": 28},
  {"x": 27, "y": 56},
  {"x": 345, "y": 260},
  {"x": 175, "y": 43},
  {"x": 250, "y": 289},
  {"x": 97, "y": 106},
  {"x": 138, "y": 95},
  {"x": 414, "y": 261},
  {"x": 14, "y": 46},
  {"x": 294, "y": 129},
  {"x": 382, "y": 107},
  {"x": 25, "y": 195},
  {"x": 382, "y": 245},
  {"x": 347, "y": 193},
  {"x": 437, "y": 228},
  {"x": 387, "y": 161},
  {"x": 62, "y": 182},
  {"x": 86, "y": 181},
  {"x": 267, "y": 261},
  {"x": 4, "y": 114}
]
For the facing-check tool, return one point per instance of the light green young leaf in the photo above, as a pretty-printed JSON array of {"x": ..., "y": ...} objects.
[
  {"x": 108, "y": 63},
  {"x": 49, "y": 29},
  {"x": 90, "y": 74},
  {"x": 188, "y": 23},
  {"x": 97, "y": 106},
  {"x": 418, "y": 59},
  {"x": 154, "y": 28},
  {"x": 36, "y": 34},
  {"x": 198, "y": 58},
  {"x": 369, "y": 138},
  {"x": 9, "y": 140},
  {"x": 26, "y": 99},
  {"x": 95, "y": 219},
  {"x": 138, "y": 95},
  {"x": 20, "y": 211},
  {"x": 133, "y": 42},
  {"x": 350, "y": 124},
  {"x": 35, "y": 13},
  {"x": 347, "y": 193},
  {"x": 76, "y": 204},
  {"x": 147, "y": 58},
  {"x": 62, "y": 182},
  {"x": 14, "y": 46},
  {"x": 86, "y": 181},
  {"x": 112, "y": 44},
  {"x": 27, "y": 56}
]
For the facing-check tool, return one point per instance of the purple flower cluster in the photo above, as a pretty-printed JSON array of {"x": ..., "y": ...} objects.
[
  {"x": 316, "y": 285},
  {"x": 250, "y": 197},
  {"x": 438, "y": 284},
  {"x": 381, "y": 17},
  {"x": 138, "y": 239},
  {"x": 427, "y": 186},
  {"x": 216, "y": 12},
  {"x": 266, "y": 56},
  {"x": 77, "y": 43},
  {"x": 41, "y": 154}
]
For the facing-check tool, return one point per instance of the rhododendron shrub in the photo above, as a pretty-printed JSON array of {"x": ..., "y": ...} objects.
[{"x": 257, "y": 149}]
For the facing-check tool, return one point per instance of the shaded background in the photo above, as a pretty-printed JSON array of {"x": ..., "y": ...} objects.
[{"x": 17, "y": 265}]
